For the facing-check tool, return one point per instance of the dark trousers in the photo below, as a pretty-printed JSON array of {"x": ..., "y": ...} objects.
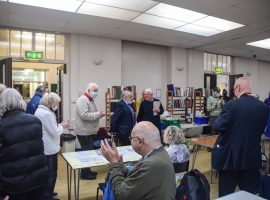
[
  {"x": 35, "y": 194},
  {"x": 247, "y": 180},
  {"x": 86, "y": 143},
  {"x": 212, "y": 120},
  {"x": 52, "y": 166}
]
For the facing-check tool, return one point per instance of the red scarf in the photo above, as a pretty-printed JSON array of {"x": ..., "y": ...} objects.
[{"x": 87, "y": 95}]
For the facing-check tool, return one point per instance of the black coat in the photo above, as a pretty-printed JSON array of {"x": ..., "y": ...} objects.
[
  {"x": 23, "y": 164},
  {"x": 122, "y": 120},
  {"x": 241, "y": 124}
]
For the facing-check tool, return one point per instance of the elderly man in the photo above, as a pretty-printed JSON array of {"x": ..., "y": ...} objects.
[
  {"x": 237, "y": 152},
  {"x": 87, "y": 123},
  {"x": 150, "y": 109},
  {"x": 152, "y": 178},
  {"x": 123, "y": 118},
  {"x": 34, "y": 102}
]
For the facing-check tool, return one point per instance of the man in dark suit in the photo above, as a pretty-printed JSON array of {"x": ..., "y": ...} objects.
[
  {"x": 237, "y": 152},
  {"x": 123, "y": 118}
]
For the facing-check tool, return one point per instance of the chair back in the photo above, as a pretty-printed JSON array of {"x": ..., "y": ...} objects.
[{"x": 181, "y": 167}]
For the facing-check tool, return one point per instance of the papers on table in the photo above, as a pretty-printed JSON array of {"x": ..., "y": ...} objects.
[{"x": 92, "y": 158}]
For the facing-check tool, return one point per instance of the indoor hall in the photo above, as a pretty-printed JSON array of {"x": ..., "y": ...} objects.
[{"x": 137, "y": 44}]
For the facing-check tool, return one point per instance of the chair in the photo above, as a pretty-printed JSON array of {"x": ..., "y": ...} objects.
[
  {"x": 101, "y": 186},
  {"x": 181, "y": 167}
]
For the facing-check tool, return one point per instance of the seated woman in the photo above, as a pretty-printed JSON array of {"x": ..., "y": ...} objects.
[{"x": 174, "y": 137}]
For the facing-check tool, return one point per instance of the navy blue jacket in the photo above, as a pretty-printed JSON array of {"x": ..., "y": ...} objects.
[
  {"x": 33, "y": 103},
  {"x": 122, "y": 121},
  {"x": 146, "y": 113},
  {"x": 241, "y": 124}
]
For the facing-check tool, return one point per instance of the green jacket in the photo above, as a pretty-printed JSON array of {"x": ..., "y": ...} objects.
[
  {"x": 214, "y": 106},
  {"x": 151, "y": 179}
]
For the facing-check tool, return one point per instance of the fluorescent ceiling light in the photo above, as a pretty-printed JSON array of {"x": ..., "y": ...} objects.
[
  {"x": 198, "y": 30},
  {"x": 217, "y": 23},
  {"x": 261, "y": 43},
  {"x": 175, "y": 13},
  {"x": 157, "y": 21},
  {"x": 108, "y": 12},
  {"x": 135, "y": 5},
  {"x": 64, "y": 5}
]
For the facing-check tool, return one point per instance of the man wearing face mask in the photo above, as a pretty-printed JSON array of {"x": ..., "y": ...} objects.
[
  {"x": 87, "y": 123},
  {"x": 123, "y": 118}
]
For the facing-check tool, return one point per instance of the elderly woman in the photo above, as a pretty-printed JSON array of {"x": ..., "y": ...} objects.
[
  {"x": 174, "y": 137},
  {"x": 123, "y": 118},
  {"x": 51, "y": 136},
  {"x": 23, "y": 165}
]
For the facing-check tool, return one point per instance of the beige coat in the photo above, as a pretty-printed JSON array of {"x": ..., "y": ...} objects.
[{"x": 87, "y": 117}]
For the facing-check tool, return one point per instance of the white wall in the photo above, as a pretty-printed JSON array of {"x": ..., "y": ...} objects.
[
  {"x": 145, "y": 66},
  {"x": 195, "y": 69},
  {"x": 86, "y": 49}
]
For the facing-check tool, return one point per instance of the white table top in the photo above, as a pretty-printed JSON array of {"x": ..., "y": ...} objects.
[
  {"x": 241, "y": 195},
  {"x": 93, "y": 158}
]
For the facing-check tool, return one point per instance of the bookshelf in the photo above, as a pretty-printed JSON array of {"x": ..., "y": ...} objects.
[
  {"x": 112, "y": 96},
  {"x": 199, "y": 101},
  {"x": 179, "y": 102}
]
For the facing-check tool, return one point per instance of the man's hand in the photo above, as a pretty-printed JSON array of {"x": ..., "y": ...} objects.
[{"x": 110, "y": 153}]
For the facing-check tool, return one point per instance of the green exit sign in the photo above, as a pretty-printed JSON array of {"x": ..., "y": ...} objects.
[
  {"x": 218, "y": 69},
  {"x": 34, "y": 55}
]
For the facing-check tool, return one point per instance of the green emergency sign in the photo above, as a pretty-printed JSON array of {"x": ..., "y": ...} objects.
[
  {"x": 34, "y": 55},
  {"x": 218, "y": 70}
]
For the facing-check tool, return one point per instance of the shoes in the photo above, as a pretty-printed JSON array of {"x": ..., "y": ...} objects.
[
  {"x": 54, "y": 194},
  {"x": 55, "y": 198},
  {"x": 88, "y": 176}
]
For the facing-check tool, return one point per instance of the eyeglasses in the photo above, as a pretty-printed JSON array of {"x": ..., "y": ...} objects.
[
  {"x": 236, "y": 87},
  {"x": 131, "y": 138}
]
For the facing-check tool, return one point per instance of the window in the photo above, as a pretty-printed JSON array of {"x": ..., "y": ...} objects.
[
  {"x": 216, "y": 60},
  {"x": 15, "y": 43},
  {"x": 50, "y": 46},
  {"x": 26, "y": 42},
  {"x": 60, "y": 47},
  {"x": 4, "y": 42}
]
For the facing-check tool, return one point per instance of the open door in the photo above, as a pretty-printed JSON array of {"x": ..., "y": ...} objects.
[
  {"x": 210, "y": 81},
  {"x": 6, "y": 72},
  {"x": 60, "y": 71}
]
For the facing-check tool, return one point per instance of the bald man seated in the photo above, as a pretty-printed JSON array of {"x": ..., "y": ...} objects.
[{"x": 152, "y": 177}]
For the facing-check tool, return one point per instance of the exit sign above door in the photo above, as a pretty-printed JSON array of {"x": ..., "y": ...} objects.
[{"x": 33, "y": 55}]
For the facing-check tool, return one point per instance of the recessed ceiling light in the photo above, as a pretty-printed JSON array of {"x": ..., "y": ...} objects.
[
  {"x": 64, "y": 5},
  {"x": 175, "y": 13},
  {"x": 198, "y": 30},
  {"x": 135, "y": 5},
  {"x": 217, "y": 23},
  {"x": 157, "y": 21},
  {"x": 261, "y": 43},
  {"x": 108, "y": 12}
]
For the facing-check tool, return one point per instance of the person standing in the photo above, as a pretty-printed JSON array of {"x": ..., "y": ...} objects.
[
  {"x": 23, "y": 166},
  {"x": 237, "y": 152},
  {"x": 214, "y": 107},
  {"x": 123, "y": 118},
  {"x": 2, "y": 88},
  {"x": 51, "y": 131},
  {"x": 34, "y": 102},
  {"x": 150, "y": 109},
  {"x": 152, "y": 177},
  {"x": 87, "y": 123}
]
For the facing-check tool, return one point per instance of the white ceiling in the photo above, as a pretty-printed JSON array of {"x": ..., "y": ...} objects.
[{"x": 254, "y": 14}]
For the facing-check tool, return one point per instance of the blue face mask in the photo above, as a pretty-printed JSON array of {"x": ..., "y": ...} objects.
[
  {"x": 94, "y": 95},
  {"x": 129, "y": 101}
]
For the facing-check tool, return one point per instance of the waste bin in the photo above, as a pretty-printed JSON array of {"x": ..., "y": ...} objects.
[{"x": 68, "y": 142}]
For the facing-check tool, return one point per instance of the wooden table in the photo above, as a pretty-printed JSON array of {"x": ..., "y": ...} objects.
[{"x": 207, "y": 141}]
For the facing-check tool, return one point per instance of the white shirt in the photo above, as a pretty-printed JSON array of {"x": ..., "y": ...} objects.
[{"x": 50, "y": 130}]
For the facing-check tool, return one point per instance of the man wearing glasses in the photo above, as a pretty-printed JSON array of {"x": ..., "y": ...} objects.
[
  {"x": 152, "y": 177},
  {"x": 237, "y": 152}
]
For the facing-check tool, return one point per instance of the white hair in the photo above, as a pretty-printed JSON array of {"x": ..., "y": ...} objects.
[
  {"x": 149, "y": 90},
  {"x": 50, "y": 99},
  {"x": 2, "y": 88},
  {"x": 91, "y": 86},
  {"x": 11, "y": 99},
  {"x": 126, "y": 93}
]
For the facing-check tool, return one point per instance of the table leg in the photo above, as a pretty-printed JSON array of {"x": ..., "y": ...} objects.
[
  {"x": 69, "y": 177},
  {"x": 78, "y": 183},
  {"x": 211, "y": 169},
  {"x": 75, "y": 188},
  {"x": 195, "y": 151}
]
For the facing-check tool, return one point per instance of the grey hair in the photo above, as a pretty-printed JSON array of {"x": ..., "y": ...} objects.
[
  {"x": 148, "y": 131},
  {"x": 41, "y": 89},
  {"x": 90, "y": 86},
  {"x": 11, "y": 99},
  {"x": 126, "y": 94},
  {"x": 2, "y": 88},
  {"x": 49, "y": 99},
  {"x": 173, "y": 135},
  {"x": 149, "y": 90}
]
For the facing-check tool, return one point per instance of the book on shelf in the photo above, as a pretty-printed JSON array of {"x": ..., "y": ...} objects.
[{"x": 180, "y": 91}]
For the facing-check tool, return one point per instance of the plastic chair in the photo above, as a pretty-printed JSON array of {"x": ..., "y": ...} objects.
[
  {"x": 101, "y": 186},
  {"x": 181, "y": 167}
]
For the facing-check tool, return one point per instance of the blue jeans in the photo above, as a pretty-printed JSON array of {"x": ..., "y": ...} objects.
[{"x": 52, "y": 166}]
